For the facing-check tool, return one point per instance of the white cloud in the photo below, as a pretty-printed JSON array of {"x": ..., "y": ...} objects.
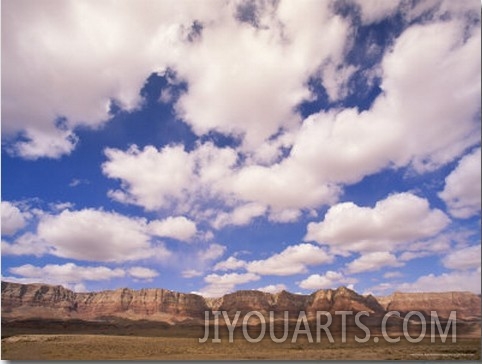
[
  {"x": 372, "y": 262},
  {"x": 419, "y": 249},
  {"x": 77, "y": 182},
  {"x": 309, "y": 34},
  {"x": 195, "y": 260},
  {"x": 373, "y": 11},
  {"x": 213, "y": 252},
  {"x": 60, "y": 206},
  {"x": 73, "y": 276},
  {"x": 462, "y": 192},
  {"x": 343, "y": 146},
  {"x": 179, "y": 228},
  {"x": 219, "y": 285},
  {"x": 26, "y": 244},
  {"x": 208, "y": 176},
  {"x": 142, "y": 273},
  {"x": 95, "y": 235},
  {"x": 68, "y": 273},
  {"x": 293, "y": 260},
  {"x": 170, "y": 178},
  {"x": 58, "y": 44},
  {"x": 232, "y": 263},
  {"x": 439, "y": 244},
  {"x": 240, "y": 216},
  {"x": 70, "y": 43},
  {"x": 427, "y": 115},
  {"x": 328, "y": 280},
  {"x": 230, "y": 278},
  {"x": 191, "y": 273},
  {"x": 12, "y": 218},
  {"x": 286, "y": 185},
  {"x": 91, "y": 235},
  {"x": 38, "y": 143},
  {"x": 450, "y": 67},
  {"x": 80, "y": 44},
  {"x": 409, "y": 255},
  {"x": 453, "y": 281},
  {"x": 393, "y": 274},
  {"x": 285, "y": 215},
  {"x": 463, "y": 259},
  {"x": 152, "y": 178},
  {"x": 400, "y": 218},
  {"x": 273, "y": 288},
  {"x": 329, "y": 149},
  {"x": 335, "y": 79}
]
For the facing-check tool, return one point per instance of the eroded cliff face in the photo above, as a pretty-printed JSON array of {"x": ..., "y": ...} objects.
[
  {"x": 42, "y": 301},
  {"x": 343, "y": 299},
  {"x": 466, "y": 304}
]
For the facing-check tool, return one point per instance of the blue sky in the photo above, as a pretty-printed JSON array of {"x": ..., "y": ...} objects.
[{"x": 215, "y": 146}]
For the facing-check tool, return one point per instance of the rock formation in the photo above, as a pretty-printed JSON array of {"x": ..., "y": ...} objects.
[
  {"x": 40, "y": 301},
  {"x": 466, "y": 304}
]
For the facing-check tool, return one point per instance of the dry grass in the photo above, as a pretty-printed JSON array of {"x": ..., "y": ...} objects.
[{"x": 100, "y": 347}]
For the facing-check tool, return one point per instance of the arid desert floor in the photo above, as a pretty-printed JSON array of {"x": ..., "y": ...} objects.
[{"x": 100, "y": 347}]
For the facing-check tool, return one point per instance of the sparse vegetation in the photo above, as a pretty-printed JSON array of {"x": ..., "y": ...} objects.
[{"x": 100, "y": 347}]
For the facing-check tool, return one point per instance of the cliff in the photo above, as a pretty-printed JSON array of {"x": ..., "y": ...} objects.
[
  {"x": 21, "y": 301},
  {"x": 40, "y": 301},
  {"x": 466, "y": 304}
]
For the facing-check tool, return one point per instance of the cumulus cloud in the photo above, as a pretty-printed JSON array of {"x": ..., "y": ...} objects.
[
  {"x": 12, "y": 218},
  {"x": 191, "y": 273},
  {"x": 232, "y": 263},
  {"x": 462, "y": 192},
  {"x": 329, "y": 149},
  {"x": 419, "y": 249},
  {"x": 68, "y": 275},
  {"x": 91, "y": 235},
  {"x": 142, "y": 273},
  {"x": 373, "y": 11},
  {"x": 169, "y": 177},
  {"x": 330, "y": 279},
  {"x": 219, "y": 285},
  {"x": 393, "y": 274},
  {"x": 196, "y": 260},
  {"x": 303, "y": 36},
  {"x": 427, "y": 115},
  {"x": 152, "y": 178},
  {"x": 26, "y": 244},
  {"x": 453, "y": 281},
  {"x": 63, "y": 43},
  {"x": 373, "y": 261},
  {"x": 293, "y": 260},
  {"x": 463, "y": 259},
  {"x": 212, "y": 252},
  {"x": 343, "y": 146},
  {"x": 400, "y": 218},
  {"x": 241, "y": 215},
  {"x": 73, "y": 276},
  {"x": 179, "y": 228},
  {"x": 284, "y": 186},
  {"x": 433, "y": 144},
  {"x": 50, "y": 144},
  {"x": 70, "y": 43},
  {"x": 95, "y": 235},
  {"x": 273, "y": 288},
  {"x": 335, "y": 147}
]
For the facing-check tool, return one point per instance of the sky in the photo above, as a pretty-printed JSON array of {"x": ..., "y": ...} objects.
[{"x": 214, "y": 146}]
